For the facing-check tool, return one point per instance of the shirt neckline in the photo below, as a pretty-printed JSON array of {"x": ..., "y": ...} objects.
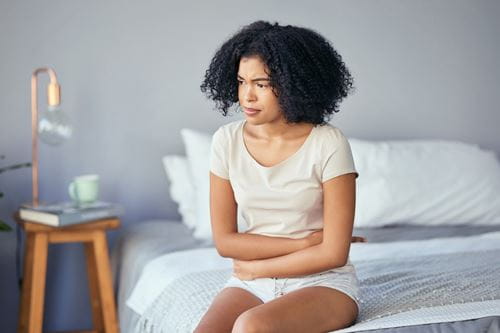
[{"x": 297, "y": 152}]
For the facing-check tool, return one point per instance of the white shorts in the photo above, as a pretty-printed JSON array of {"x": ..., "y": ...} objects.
[{"x": 342, "y": 279}]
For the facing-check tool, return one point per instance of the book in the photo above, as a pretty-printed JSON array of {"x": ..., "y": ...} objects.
[{"x": 68, "y": 213}]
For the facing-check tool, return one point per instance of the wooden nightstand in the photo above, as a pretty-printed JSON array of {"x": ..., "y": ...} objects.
[{"x": 93, "y": 235}]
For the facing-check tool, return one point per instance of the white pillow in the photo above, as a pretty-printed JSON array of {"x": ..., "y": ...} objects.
[
  {"x": 425, "y": 182},
  {"x": 181, "y": 187},
  {"x": 197, "y": 146},
  {"x": 422, "y": 182}
]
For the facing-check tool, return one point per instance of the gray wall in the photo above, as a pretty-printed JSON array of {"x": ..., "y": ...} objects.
[{"x": 130, "y": 75}]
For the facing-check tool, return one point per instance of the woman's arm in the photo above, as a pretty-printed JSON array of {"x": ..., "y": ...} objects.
[
  {"x": 339, "y": 207},
  {"x": 242, "y": 246}
]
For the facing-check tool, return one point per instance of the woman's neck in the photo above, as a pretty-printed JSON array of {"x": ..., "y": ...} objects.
[{"x": 279, "y": 130}]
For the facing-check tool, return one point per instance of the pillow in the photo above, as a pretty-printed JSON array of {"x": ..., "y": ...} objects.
[
  {"x": 197, "y": 146},
  {"x": 181, "y": 187},
  {"x": 422, "y": 182},
  {"x": 425, "y": 182}
]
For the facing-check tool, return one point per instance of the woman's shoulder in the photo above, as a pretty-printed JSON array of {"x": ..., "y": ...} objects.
[
  {"x": 331, "y": 139},
  {"x": 330, "y": 133},
  {"x": 228, "y": 131}
]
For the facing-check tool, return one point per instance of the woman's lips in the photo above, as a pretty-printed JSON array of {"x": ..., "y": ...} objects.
[{"x": 250, "y": 111}]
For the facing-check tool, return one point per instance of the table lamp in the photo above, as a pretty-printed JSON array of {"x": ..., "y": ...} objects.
[{"x": 52, "y": 126}]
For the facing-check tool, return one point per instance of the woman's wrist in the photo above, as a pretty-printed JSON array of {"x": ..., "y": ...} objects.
[{"x": 256, "y": 272}]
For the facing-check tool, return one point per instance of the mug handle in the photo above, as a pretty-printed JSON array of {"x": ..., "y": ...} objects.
[{"x": 72, "y": 191}]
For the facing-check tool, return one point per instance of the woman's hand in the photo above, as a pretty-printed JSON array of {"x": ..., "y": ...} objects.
[
  {"x": 358, "y": 239},
  {"x": 244, "y": 269}
]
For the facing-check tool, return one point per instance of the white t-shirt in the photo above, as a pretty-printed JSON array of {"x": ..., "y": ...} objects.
[{"x": 284, "y": 200}]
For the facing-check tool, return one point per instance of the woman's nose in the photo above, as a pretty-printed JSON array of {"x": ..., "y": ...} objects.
[{"x": 248, "y": 94}]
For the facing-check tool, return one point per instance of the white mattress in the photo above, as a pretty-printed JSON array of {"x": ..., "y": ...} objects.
[{"x": 151, "y": 237}]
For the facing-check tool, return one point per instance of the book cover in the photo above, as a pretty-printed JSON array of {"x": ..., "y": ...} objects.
[{"x": 67, "y": 213}]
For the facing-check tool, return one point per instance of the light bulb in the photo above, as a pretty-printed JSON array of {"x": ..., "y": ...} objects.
[{"x": 53, "y": 126}]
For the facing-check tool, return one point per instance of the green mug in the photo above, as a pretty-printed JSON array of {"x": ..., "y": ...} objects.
[{"x": 84, "y": 189}]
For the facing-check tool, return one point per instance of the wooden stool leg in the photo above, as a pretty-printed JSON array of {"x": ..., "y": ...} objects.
[
  {"x": 95, "y": 297},
  {"x": 26, "y": 290},
  {"x": 33, "y": 289},
  {"x": 102, "y": 285}
]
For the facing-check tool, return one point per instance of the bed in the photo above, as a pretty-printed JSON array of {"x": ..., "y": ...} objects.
[{"x": 431, "y": 263}]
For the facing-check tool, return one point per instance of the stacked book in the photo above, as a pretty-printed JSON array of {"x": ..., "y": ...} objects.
[{"x": 67, "y": 213}]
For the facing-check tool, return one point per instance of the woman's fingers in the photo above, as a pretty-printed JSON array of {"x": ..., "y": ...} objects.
[{"x": 358, "y": 239}]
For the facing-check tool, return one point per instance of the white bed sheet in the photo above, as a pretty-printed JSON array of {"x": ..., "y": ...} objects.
[{"x": 159, "y": 272}]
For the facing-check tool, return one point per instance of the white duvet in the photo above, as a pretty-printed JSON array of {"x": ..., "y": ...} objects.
[{"x": 162, "y": 271}]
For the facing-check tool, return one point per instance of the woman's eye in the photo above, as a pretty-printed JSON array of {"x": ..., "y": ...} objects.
[{"x": 240, "y": 82}]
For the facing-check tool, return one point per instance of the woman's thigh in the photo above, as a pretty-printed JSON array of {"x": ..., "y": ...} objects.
[
  {"x": 310, "y": 309},
  {"x": 225, "y": 308}
]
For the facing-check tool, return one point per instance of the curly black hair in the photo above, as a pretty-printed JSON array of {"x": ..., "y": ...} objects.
[{"x": 306, "y": 73}]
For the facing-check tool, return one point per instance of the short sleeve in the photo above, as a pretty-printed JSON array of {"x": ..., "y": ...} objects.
[
  {"x": 338, "y": 156},
  {"x": 219, "y": 155}
]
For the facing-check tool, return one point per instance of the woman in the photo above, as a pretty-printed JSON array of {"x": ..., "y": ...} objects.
[{"x": 291, "y": 176}]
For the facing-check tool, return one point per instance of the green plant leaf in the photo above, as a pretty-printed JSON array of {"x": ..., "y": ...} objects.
[
  {"x": 15, "y": 166},
  {"x": 4, "y": 226}
]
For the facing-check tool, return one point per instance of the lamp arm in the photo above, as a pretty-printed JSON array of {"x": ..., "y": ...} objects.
[{"x": 53, "y": 99}]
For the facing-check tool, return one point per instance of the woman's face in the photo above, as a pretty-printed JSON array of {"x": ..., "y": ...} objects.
[{"x": 256, "y": 97}]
